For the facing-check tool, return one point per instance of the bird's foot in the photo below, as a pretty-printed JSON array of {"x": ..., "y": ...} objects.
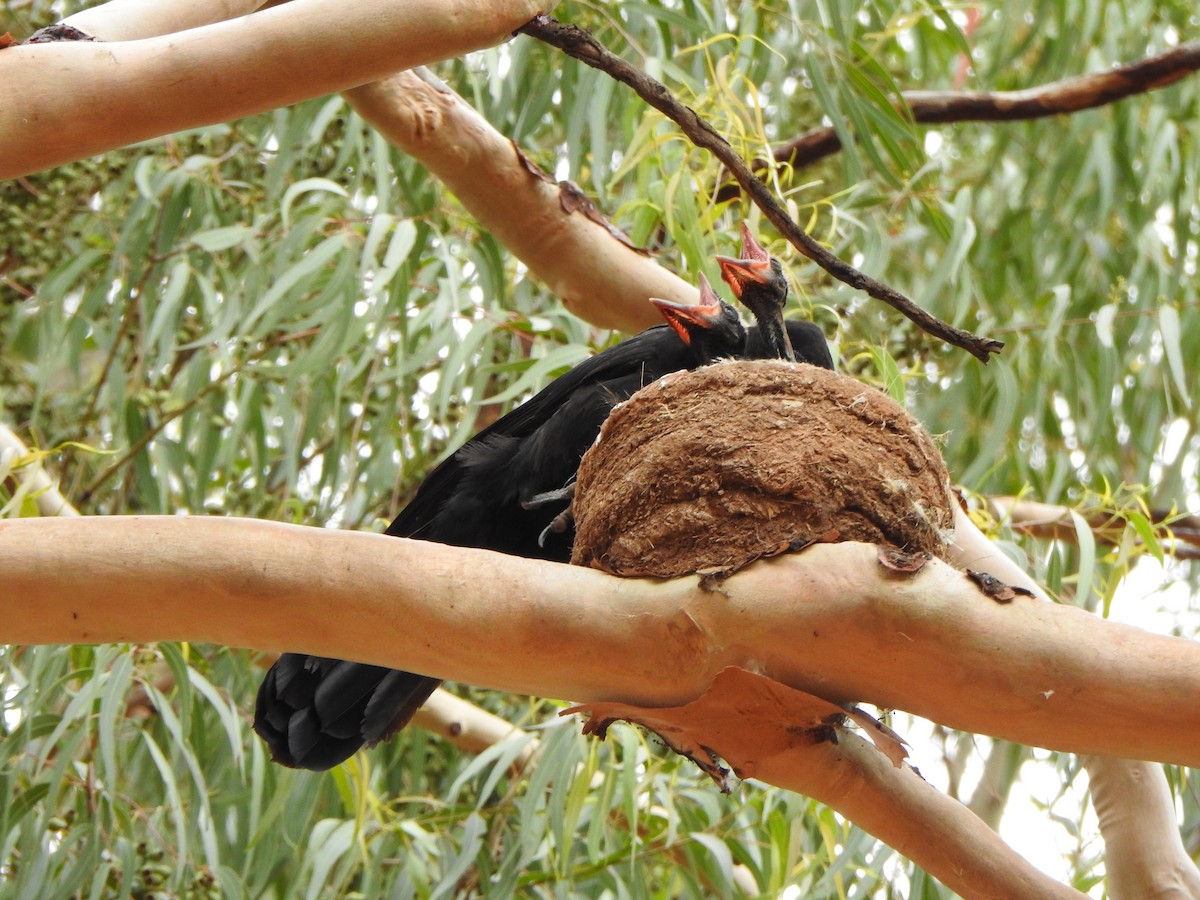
[
  {"x": 558, "y": 525},
  {"x": 537, "y": 501}
]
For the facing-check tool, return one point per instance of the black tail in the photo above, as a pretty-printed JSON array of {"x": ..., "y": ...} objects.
[{"x": 315, "y": 712}]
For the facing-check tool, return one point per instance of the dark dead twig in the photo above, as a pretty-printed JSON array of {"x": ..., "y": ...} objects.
[
  {"x": 1055, "y": 98},
  {"x": 580, "y": 44}
]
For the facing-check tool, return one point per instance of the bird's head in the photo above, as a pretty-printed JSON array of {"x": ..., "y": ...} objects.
[
  {"x": 757, "y": 278},
  {"x": 712, "y": 328}
]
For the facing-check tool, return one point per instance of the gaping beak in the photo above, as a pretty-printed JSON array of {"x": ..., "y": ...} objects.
[
  {"x": 737, "y": 273},
  {"x": 752, "y": 249},
  {"x": 704, "y": 314},
  {"x": 755, "y": 264}
]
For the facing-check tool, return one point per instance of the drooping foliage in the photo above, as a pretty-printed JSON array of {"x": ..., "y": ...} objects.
[{"x": 283, "y": 317}]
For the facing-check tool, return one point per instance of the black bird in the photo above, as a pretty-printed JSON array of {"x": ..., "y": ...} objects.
[
  {"x": 759, "y": 282},
  {"x": 315, "y": 712}
]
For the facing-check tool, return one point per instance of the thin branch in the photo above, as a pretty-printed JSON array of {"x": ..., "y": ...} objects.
[
  {"x": 581, "y": 45},
  {"x": 1000, "y": 769},
  {"x": 1056, "y": 98},
  {"x": 467, "y": 726}
]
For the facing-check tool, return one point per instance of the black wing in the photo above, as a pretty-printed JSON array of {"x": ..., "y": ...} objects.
[{"x": 624, "y": 359}]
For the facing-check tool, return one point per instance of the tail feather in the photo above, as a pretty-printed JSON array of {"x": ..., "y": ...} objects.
[
  {"x": 314, "y": 712},
  {"x": 394, "y": 703}
]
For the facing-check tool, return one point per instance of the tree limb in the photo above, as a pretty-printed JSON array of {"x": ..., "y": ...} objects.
[
  {"x": 1056, "y": 98},
  {"x": 830, "y": 621},
  {"x": 1000, "y": 768},
  {"x": 583, "y": 46},
  {"x": 126, "y": 91},
  {"x": 50, "y": 502},
  {"x": 129, "y": 20},
  {"x": 549, "y": 226},
  {"x": 1180, "y": 534},
  {"x": 462, "y": 723},
  {"x": 1144, "y": 856},
  {"x": 465, "y": 725},
  {"x": 772, "y": 733}
]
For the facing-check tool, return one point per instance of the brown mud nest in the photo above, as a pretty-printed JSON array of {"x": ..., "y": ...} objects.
[{"x": 712, "y": 469}]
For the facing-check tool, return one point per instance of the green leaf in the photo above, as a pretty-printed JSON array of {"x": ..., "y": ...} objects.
[
  {"x": 1087, "y": 558},
  {"x": 306, "y": 186},
  {"x": 1170, "y": 328},
  {"x": 217, "y": 239}
]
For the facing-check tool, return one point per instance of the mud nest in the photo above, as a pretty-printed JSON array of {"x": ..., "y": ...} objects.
[{"x": 712, "y": 469}]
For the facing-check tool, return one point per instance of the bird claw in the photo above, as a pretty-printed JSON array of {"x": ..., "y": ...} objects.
[
  {"x": 537, "y": 501},
  {"x": 558, "y": 525}
]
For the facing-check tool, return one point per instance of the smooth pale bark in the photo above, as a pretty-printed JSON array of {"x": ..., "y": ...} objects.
[
  {"x": 70, "y": 100},
  {"x": 908, "y": 814},
  {"x": 465, "y": 725},
  {"x": 830, "y": 621},
  {"x": 762, "y": 729},
  {"x": 33, "y": 478},
  {"x": 126, "y": 20},
  {"x": 1144, "y": 856},
  {"x": 596, "y": 276}
]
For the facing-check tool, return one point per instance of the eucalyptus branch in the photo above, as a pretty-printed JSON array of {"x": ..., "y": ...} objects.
[
  {"x": 830, "y": 620},
  {"x": 1179, "y": 534},
  {"x": 458, "y": 721},
  {"x": 50, "y": 502},
  {"x": 1055, "y": 98},
  {"x": 549, "y": 225},
  {"x": 132, "y": 90},
  {"x": 580, "y": 44}
]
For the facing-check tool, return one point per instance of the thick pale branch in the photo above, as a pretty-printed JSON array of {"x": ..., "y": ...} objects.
[
  {"x": 830, "y": 621},
  {"x": 910, "y": 815},
  {"x": 69, "y": 100},
  {"x": 1144, "y": 855},
  {"x": 547, "y": 225},
  {"x": 127, "y": 20},
  {"x": 795, "y": 740}
]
